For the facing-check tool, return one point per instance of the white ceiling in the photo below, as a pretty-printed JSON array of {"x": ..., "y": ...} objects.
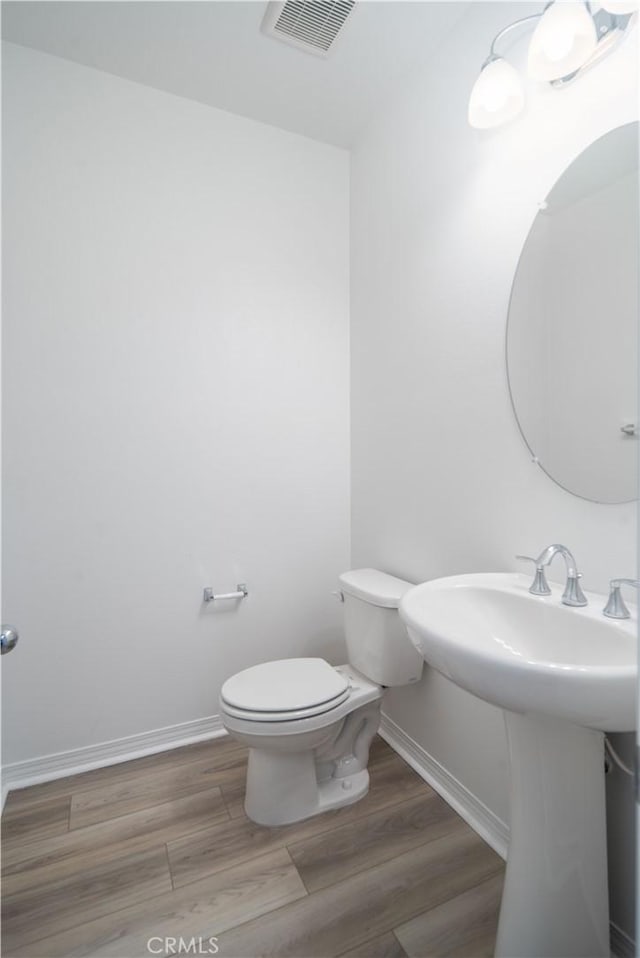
[{"x": 214, "y": 52}]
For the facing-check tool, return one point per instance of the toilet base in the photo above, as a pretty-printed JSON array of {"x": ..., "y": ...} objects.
[
  {"x": 343, "y": 791},
  {"x": 289, "y": 792}
]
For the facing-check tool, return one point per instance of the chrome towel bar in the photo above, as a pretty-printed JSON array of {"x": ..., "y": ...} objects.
[{"x": 211, "y": 596}]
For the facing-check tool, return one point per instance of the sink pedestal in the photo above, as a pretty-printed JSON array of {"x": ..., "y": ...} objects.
[
  {"x": 555, "y": 901},
  {"x": 559, "y": 673}
]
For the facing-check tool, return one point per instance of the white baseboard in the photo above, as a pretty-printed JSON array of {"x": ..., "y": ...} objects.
[
  {"x": 622, "y": 946},
  {"x": 483, "y": 821},
  {"x": 60, "y": 764}
]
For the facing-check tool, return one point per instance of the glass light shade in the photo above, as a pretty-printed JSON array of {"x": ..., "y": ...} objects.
[
  {"x": 620, "y": 7},
  {"x": 563, "y": 41},
  {"x": 497, "y": 96}
]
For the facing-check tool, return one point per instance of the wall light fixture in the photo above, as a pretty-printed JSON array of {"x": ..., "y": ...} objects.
[{"x": 568, "y": 39}]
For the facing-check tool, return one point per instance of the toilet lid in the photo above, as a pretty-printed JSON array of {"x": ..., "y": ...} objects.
[
  {"x": 287, "y": 685},
  {"x": 375, "y": 587}
]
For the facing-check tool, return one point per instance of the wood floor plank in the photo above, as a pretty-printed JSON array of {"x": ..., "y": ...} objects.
[
  {"x": 232, "y": 782},
  {"x": 54, "y": 858},
  {"x": 343, "y": 916},
  {"x": 364, "y": 843},
  {"x": 220, "y": 751},
  {"x": 109, "y": 801},
  {"x": 203, "y": 909},
  {"x": 463, "y": 927},
  {"x": 385, "y": 946},
  {"x": 206, "y": 852},
  {"x": 37, "y": 820},
  {"x": 86, "y": 894}
]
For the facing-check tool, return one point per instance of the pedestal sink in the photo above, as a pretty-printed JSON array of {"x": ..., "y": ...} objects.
[{"x": 563, "y": 676}]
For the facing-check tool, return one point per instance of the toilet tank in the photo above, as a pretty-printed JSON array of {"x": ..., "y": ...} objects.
[{"x": 377, "y": 642}]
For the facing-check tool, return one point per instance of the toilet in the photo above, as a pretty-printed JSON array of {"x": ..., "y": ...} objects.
[{"x": 309, "y": 725}]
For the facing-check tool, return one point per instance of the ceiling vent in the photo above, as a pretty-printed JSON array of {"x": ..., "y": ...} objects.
[{"x": 310, "y": 25}]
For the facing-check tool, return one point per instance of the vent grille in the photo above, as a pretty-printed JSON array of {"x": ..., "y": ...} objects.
[{"x": 310, "y": 24}]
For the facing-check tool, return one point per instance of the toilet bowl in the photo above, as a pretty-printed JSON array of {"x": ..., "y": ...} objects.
[
  {"x": 302, "y": 764},
  {"x": 309, "y": 725}
]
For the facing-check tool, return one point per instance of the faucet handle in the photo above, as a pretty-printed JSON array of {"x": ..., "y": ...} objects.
[
  {"x": 615, "y": 607},
  {"x": 539, "y": 586}
]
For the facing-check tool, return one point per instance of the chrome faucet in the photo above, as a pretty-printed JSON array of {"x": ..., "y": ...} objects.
[
  {"x": 615, "y": 607},
  {"x": 573, "y": 594}
]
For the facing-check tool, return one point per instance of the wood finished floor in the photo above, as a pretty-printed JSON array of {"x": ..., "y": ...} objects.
[{"x": 98, "y": 863}]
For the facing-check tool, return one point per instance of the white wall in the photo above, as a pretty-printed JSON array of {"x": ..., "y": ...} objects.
[
  {"x": 442, "y": 482},
  {"x": 176, "y": 401}
]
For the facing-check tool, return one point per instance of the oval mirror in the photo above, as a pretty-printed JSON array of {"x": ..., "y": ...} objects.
[{"x": 572, "y": 330}]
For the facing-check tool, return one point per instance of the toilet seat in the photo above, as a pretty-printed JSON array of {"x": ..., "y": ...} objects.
[
  {"x": 284, "y": 690},
  {"x": 291, "y": 716}
]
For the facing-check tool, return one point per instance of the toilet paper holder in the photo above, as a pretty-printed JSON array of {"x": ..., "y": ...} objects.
[{"x": 210, "y": 596}]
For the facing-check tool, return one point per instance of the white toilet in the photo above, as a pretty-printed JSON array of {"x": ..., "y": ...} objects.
[{"x": 309, "y": 725}]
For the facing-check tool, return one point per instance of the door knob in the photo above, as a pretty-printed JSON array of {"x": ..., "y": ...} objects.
[{"x": 8, "y": 638}]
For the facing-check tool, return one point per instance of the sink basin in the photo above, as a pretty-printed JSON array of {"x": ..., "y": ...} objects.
[
  {"x": 563, "y": 676},
  {"x": 527, "y": 653}
]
